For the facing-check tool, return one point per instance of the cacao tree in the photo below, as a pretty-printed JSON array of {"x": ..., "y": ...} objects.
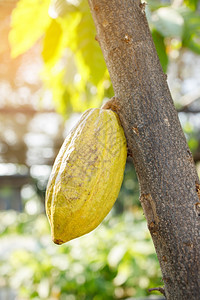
[{"x": 169, "y": 185}]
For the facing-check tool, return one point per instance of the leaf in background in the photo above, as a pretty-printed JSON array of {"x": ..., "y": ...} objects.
[
  {"x": 89, "y": 51},
  {"x": 53, "y": 78},
  {"x": 193, "y": 4},
  {"x": 194, "y": 45},
  {"x": 191, "y": 33},
  {"x": 168, "y": 22},
  {"x": 52, "y": 42},
  {"x": 160, "y": 48},
  {"x": 29, "y": 21},
  {"x": 155, "y": 4}
]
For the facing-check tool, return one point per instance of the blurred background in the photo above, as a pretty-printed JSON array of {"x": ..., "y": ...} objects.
[{"x": 51, "y": 70}]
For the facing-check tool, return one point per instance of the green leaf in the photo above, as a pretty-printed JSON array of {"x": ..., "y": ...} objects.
[
  {"x": 193, "y": 4},
  {"x": 89, "y": 51},
  {"x": 29, "y": 21},
  {"x": 193, "y": 144},
  {"x": 168, "y": 22},
  {"x": 52, "y": 41},
  {"x": 191, "y": 33},
  {"x": 161, "y": 49},
  {"x": 155, "y": 4},
  {"x": 194, "y": 45}
]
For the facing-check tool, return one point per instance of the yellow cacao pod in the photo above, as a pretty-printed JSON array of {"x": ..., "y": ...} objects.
[{"x": 86, "y": 176}]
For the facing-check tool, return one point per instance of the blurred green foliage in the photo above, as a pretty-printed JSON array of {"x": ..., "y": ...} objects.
[
  {"x": 74, "y": 68},
  {"x": 192, "y": 136},
  {"x": 128, "y": 199},
  {"x": 193, "y": 4},
  {"x": 115, "y": 261}
]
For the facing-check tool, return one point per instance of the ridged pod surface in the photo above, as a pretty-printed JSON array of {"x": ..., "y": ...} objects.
[{"x": 87, "y": 175}]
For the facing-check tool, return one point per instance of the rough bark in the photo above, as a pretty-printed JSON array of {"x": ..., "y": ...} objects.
[{"x": 169, "y": 184}]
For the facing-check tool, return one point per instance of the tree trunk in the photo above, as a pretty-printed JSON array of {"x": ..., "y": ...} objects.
[{"x": 169, "y": 184}]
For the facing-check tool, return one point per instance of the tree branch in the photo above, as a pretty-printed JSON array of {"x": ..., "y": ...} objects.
[{"x": 158, "y": 289}]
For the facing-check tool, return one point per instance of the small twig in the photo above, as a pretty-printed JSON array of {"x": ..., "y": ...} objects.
[
  {"x": 159, "y": 289},
  {"x": 190, "y": 98},
  {"x": 188, "y": 110}
]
